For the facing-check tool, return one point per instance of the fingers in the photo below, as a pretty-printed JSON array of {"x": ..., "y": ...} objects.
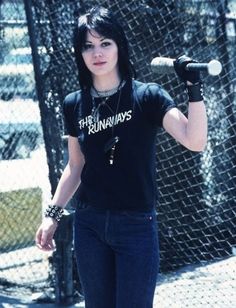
[
  {"x": 38, "y": 237},
  {"x": 49, "y": 246},
  {"x": 44, "y": 240}
]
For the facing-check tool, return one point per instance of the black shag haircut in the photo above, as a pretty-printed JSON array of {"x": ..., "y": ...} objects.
[{"x": 105, "y": 24}]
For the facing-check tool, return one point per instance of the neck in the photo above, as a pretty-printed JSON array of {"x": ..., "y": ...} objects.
[{"x": 106, "y": 84}]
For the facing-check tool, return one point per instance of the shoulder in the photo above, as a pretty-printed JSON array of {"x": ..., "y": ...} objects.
[
  {"x": 72, "y": 101},
  {"x": 153, "y": 100},
  {"x": 142, "y": 86},
  {"x": 150, "y": 89},
  {"x": 73, "y": 97}
]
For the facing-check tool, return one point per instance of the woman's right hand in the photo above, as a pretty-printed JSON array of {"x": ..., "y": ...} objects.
[{"x": 44, "y": 235}]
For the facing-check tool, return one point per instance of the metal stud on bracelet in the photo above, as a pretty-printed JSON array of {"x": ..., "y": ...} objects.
[
  {"x": 54, "y": 212},
  {"x": 195, "y": 92}
]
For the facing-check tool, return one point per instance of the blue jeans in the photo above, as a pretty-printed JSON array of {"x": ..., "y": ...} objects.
[{"x": 118, "y": 257}]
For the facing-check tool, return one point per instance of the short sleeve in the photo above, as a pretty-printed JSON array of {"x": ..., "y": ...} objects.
[
  {"x": 157, "y": 102},
  {"x": 70, "y": 106}
]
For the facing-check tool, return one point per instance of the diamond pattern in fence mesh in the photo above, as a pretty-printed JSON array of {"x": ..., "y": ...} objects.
[{"x": 196, "y": 211}]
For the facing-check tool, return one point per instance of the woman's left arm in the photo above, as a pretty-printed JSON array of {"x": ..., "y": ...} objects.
[{"x": 191, "y": 132}]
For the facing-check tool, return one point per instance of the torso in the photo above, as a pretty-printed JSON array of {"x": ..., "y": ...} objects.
[{"x": 129, "y": 183}]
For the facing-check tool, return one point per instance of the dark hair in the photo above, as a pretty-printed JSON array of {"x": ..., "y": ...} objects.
[{"x": 103, "y": 22}]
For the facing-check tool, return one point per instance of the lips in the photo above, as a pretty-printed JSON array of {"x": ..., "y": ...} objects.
[{"x": 99, "y": 63}]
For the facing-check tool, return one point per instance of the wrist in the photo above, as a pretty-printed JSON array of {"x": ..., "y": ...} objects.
[
  {"x": 195, "y": 92},
  {"x": 54, "y": 212}
]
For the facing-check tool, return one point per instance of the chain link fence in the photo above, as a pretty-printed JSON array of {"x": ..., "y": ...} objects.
[
  {"x": 196, "y": 211},
  {"x": 24, "y": 184}
]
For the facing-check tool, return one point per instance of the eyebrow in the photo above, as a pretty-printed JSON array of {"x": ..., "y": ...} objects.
[{"x": 102, "y": 39}]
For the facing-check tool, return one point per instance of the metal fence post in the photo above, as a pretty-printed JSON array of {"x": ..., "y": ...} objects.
[
  {"x": 63, "y": 261},
  {"x": 67, "y": 284}
]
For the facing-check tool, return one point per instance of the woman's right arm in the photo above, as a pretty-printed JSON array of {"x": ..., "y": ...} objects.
[
  {"x": 66, "y": 187},
  {"x": 70, "y": 178}
]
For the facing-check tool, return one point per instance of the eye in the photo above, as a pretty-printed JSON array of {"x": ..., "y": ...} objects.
[
  {"x": 87, "y": 46},
  {"x": 105, "y": 44}
]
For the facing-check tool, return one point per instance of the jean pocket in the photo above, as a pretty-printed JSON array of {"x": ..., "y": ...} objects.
[
  {"x": 82, "y": 207},
  {"x": 140, "y": 216}
]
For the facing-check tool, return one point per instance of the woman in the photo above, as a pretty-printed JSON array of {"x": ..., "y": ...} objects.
[{"x": 112, "y": 123}]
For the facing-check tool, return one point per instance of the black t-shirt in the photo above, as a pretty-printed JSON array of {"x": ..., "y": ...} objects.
[{"x": 130, "y": 182}]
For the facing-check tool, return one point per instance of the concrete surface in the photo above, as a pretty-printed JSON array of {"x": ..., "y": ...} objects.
[
  {"x": 8, "y": 301},
  {"x": 212, "y": 285}
]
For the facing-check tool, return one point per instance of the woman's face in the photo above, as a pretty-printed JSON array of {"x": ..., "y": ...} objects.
[{"x": 100, "y": 55}]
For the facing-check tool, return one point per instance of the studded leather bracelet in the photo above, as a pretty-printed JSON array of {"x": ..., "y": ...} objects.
[
  {"x": 195, "y": 92},
  {"x": 54, "y": 212}
]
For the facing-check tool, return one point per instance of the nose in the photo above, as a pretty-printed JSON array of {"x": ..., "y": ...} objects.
[{"x": 97, "y": 52}]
